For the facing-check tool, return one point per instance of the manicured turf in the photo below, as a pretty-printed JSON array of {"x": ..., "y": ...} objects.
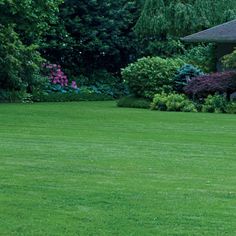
[{"x": 90, "y": 168}]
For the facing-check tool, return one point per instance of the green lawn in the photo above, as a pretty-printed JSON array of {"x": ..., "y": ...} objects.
[{"x": 91, "y": 168}]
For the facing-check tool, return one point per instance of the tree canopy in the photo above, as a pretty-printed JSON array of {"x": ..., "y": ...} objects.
[
  {"x": 93, "y": 34},
  {"x": 181, "y": 17},
  {"x": 23, "y": 24}
]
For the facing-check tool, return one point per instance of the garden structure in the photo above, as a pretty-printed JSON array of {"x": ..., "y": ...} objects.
[{"x": 223, "y": 35}]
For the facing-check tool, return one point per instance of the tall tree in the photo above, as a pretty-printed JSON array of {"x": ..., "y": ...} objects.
[
  {"x": 23, "y": 24},
  {"x": 180, "y": 17},
  {"x": 93, "y": 34}
]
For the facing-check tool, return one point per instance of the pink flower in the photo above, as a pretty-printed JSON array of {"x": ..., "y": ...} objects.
[
  {"x": 74, "y": 85},
  {"x": 57, "y": 76}
]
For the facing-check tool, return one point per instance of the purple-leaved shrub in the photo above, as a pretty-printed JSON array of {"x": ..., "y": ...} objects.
[{"x": 221, "y": 82}]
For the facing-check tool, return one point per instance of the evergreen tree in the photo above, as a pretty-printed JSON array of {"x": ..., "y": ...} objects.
[{"x": 92, "y": 35}]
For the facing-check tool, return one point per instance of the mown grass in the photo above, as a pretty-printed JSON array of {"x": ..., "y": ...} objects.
[{"x": 90, "y": 168}]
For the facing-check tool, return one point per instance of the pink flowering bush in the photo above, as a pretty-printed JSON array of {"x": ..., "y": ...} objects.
[
  {"x": 57, "y": 76},
  {"x": 58, "y": 81}
]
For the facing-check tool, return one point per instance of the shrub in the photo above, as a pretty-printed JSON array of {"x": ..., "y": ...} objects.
[
  {"x": 15, "y": 96},
  {"x": 215, "y": 104},
  {"x": 202, "y": 86},
  {"x": 20, "y": 64},
  {"x": 57, "y": 80},
  {"x": 229, "y": 61},
  {"x": 172, "y": 102},
  {"x": 150, "y": 75},
  {"x": 107, "y": 83},
  {"x": 184, "y": 75},
  {"x": 100, "y": 84},
  {"x": 231, "y": 108},
  {"x": 134, "y": 102},
  {"x": 101, "y": 81},
  {"x": 70, "y": 97},
  {"x": 202, "y": 56}
]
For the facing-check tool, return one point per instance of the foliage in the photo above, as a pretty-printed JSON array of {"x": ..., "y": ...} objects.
[
  {"x": 161, "y": 22},
  {"x": 153, "y": 46},
  {"x": 56, "y": 75},
  {"x": 14, "y": 96},
  {"x": 202, "y": 56},
  {"x": 57, "y": 80},
  {"x": 184, "y": 75},
  {"x": 70, "y": 97},
  {"x": 229, "y": 61},
  {"x": 35, "y": 18},
  {"x": 218, "y": 104},
  {"x": 20, "y": 64},
  {"x": 93, "y": 35},
  {"x": 102, "y": 81},
  {"x": 215, "y": 104},
  {"x": 231, "y": 108},
  {"x": 133, "y": 102},
  {"x": 172, "y": 102},
  {"x": 150, "y": 75},
  {"x": 221, "y": 82},
  {"x": 22, "y": 26},
  {"x": 177, "y": 18}
]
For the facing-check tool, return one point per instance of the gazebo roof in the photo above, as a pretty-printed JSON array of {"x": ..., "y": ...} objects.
[{"x": 225, "y": 33}]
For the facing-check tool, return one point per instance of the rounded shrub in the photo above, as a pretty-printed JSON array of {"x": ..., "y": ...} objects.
[
  {"x": 172, "y": 102},
  {"x": 215, "y": 104},
  {"x": 151, "y": 75}
]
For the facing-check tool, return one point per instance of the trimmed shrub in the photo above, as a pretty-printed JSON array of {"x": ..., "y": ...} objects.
[
  {"x": 184, "y": 75},
  {"x": 172, "y": 102},
  {"x": 202, "y": 86},
  {"x": 150, "y": 75},
  {"x": 215, "y": 104},
  {"x": 134, "y": 102},
  {"x": 70, "y": 97}
]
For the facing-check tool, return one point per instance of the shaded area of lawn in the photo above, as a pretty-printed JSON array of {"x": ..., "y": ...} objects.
[{"x": 90, "y": 168}]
